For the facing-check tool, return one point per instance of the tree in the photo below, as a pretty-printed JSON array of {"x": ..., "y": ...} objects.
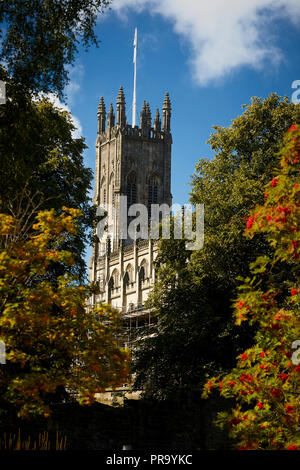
[
  {"x": 39, "y": 40},
  {"x": 265, "y": 382},
  {"x": 38, "y": 44},
  {"x": 232, "y": 183},
  {"x": 197, "y": 335},
  {"x": 39, "y": 152},
  {"x": 53, "y": 342}
]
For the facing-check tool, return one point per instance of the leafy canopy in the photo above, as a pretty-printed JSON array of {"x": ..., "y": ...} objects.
[
  {"x": 39, "y": 39},
  {"x": 265, "y": 382},
  {"x": 193, "y": 296},
  {"x": 53, "y": 342},
  {"x": 38, "y": 151}
]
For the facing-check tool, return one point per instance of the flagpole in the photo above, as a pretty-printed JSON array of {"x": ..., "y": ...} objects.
[{"x": 134, "y": 85}]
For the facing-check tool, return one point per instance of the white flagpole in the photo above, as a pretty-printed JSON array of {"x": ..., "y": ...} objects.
[{"x": 134, "y": 85}]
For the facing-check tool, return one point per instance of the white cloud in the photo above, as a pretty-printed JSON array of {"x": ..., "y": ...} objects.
[{"x": 223, "y": 34}]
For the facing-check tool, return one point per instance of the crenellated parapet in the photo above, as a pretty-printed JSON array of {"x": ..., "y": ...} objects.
[
  {"x": 134, "y": 133},
  {"x": 147, "y": 130}
]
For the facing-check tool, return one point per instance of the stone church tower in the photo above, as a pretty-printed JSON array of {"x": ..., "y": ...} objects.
[{"x": 133, "y": 162}]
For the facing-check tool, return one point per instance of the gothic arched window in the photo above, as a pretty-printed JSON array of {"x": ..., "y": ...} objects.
[
  {"x": 111, "y": 284},
  {"x": 143, "y": 274},
  {"x": 128, "y": 278},
  {"x": 131, "y": 189},
  {"x": 152, "y": 192},
  {"x": 115, "y": 278}
]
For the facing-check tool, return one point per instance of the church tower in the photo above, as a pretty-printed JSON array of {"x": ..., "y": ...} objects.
[{"x": 134, "y": 162}]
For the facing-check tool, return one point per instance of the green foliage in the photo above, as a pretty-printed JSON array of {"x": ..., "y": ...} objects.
[
  {"x": 54, "y": 343},
  {"x": 39, "y": 39},
  {"x": 232, "y": 182},
  {"x": 266, "y": 382},
  {"x": 39, "y": 152},
  {"x": 197, "y": 335},
  {"x": 38, "y": 44}
]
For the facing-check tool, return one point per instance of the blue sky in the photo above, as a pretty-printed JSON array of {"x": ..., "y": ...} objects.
[
  {"x": 165, "y": 64},
  {"x": 210, "y": 59}
]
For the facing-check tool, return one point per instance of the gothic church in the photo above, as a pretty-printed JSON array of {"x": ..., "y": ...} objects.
[{"x": 133, "y": 162}]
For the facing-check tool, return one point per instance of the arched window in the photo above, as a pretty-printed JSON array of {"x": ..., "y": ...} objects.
[
  {"x": 111, "y": 284},
  {"x": 115, "y": 277},
  {"x": 143, "y": 272},
  {"x": 152, "y": 192},
  {"x": 128, "y": 274},
  {"x": 131, "y": 189}
]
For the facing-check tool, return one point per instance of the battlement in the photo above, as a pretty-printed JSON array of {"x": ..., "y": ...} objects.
[
  {"x": 134, "y": 133},
  {"x": 107, "y": 128}
]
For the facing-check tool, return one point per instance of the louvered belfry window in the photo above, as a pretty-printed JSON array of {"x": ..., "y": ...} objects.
[
  {"x": 131, "y": 189},
  {"x": 152, "y": 192}
]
